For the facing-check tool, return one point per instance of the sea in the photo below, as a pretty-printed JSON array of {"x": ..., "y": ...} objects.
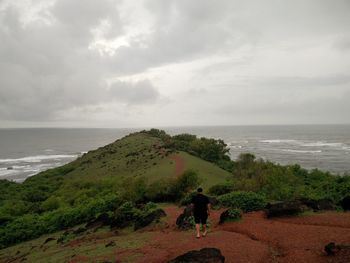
[{"x": 26, "y": 152}]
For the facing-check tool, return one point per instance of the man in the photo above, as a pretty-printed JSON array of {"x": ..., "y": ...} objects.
[{"x": 201, "y": 210}]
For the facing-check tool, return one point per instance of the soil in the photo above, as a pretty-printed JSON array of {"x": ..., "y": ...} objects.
[
  {"x": 179, "y": 164},
  {"x": 253, "y": 239}
]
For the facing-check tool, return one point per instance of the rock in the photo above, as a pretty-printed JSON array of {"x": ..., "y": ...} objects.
[
  {"x": 101, "y": 220},
  {"x": 213, "y": 200},
  {"x": 149, "y": 218},
  {"x": 205, "y": 255},
  {"x": 183, "y": 220},
  {"x": 188, "y": 211},
  {"x": 79, "y": 230},
  {"x": 49, "y": 239},
  {"x": 230, "y": 215},
  {"x": 63, "y": 237},
  {"x": 124, "y": 216},
  {"x": 60, "y": 240},
  {"x": 316, "y": 205},
  {"x": 345, "y": 203},
  {"x": 110, "y": 244},
  {"x": 326, "y": 204},
  {"x": 332, "y": 248},
  {"x": 286, "y": 208},
  {"x": 10, "y": 168}
]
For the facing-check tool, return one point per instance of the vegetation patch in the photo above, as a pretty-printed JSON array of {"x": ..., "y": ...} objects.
[{"x": 247, "y": 201}]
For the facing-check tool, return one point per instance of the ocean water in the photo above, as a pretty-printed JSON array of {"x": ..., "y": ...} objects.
[{"x": 25, "y": 152}]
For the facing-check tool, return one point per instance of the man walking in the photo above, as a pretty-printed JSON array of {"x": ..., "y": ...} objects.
[{"x": 201, "y": 210}]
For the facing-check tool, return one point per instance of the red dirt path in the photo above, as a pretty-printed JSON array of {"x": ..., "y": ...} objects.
[
  {"x": 253, "y": 239},
  {"x": 179, "y": 164}
]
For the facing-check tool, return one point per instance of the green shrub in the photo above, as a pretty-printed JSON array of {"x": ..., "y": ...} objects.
[
  {"x": 125, "y": 215},
  {"x": 15, "y": 207},
  {"x": 52, "y": 203},
  {"x": 247, "y": 201},
  {"x": 183, "y": 184},
  {"x": 149, "y": 206},
  {"x": 186, "y": 182},
  {"x": 187, "y": 199},
  {"x": 220, "y": 189},
  {"x": 161, "y": 191},
  {"x": 32, "y": 225},
  {"x": 172, "y": 190},
  {"x": 234, "y": 214},
  {"x": 135, "y": 190}
]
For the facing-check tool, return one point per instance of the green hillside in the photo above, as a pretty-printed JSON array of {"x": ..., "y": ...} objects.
[
  {"x": 137, "y": 168},
  {"x": 136, "y": 155},
  {"x": 123, "y": 180}
]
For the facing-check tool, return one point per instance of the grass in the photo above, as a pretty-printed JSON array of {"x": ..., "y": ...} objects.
[
  {"x": 136, "y": 155},
  {"x": 92, "y": 248}
]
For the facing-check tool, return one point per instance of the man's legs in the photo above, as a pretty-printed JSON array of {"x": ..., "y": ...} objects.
[
  {"x": 204, "y": 229},
  {"x": 198, "y": 230}
]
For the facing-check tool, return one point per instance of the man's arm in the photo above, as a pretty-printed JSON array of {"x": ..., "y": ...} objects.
[
  {"x": 192, "y": 202},
  {"x": 208, "y": 208}
]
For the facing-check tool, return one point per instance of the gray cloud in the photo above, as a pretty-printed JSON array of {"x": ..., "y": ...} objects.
[
  {"x": 298, "y": 81},
  {"x": 209, "y": 59},
  {"x": 141, "y": 92},
  {"x": 46, "y": 68}
]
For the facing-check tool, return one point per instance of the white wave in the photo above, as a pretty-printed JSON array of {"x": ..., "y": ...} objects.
[
  {"x": 48, "y": 150},
  {"x": 301, "y": 151},
  {"x": 38, "y": 158},
  {"x": 20, "y": 167},
  {"x": 235, "y": 142},
  {"x": 279, "y": 141},
  {"x": 7, "y": 172},
  {"x": 236, "y": 146},
  {"x": 322, "y": 144}
]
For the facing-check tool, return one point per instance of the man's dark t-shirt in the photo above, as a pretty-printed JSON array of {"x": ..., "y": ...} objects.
[{"x": 200, "y": 203}]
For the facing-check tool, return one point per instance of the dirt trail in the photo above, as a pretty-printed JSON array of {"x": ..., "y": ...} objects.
[
  {"x": 253, "y": 239},
  {"x": 179, "y": 164}
]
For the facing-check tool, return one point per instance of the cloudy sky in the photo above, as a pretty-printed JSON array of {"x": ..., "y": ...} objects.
[{"x": 137, "y": 63}]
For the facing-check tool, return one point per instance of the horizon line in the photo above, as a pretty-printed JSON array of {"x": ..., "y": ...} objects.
[{"x": 177, "y": 126}]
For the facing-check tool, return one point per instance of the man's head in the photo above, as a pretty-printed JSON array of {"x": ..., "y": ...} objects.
[{"x": 199, "y": 190}]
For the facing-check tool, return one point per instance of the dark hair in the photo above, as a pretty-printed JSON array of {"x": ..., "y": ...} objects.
[{"x": 199, "y": 190}]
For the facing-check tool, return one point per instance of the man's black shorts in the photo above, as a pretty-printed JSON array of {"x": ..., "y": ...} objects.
[{"x": 200, "y": 218}]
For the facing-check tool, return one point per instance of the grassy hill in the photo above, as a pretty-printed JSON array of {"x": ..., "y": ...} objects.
[
  {"x": 120, "y": 180},
  {"x": 141, "y": 154},
  {"x": 137, "y": 168}
]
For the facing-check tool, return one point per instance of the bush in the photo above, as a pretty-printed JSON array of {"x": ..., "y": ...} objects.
[
  {"x": 149, "y": 206},
  {"x": 186, "y": 182},
  {"x": 234, "y": 214},
  {"x": 230, "y": 215},
  {"x": 247, "y": 201},
  {"x": 135, "y": 189},
  {"x": 125, "y": 215},
  {"x": 187, "y": 199},
  {"x": 52, "y": 203},
  {"x": 220, "y": 189},
  {"x": 161, "y": 191},
  {"x": 31, "y": 226},
  {"x": 172, "y": 190}
]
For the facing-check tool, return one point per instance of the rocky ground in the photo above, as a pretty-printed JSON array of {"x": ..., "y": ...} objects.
[{"x": 252, "y": 239}]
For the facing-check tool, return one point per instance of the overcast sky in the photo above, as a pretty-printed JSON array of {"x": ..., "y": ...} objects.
[{"x": 111, "y": 63}]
